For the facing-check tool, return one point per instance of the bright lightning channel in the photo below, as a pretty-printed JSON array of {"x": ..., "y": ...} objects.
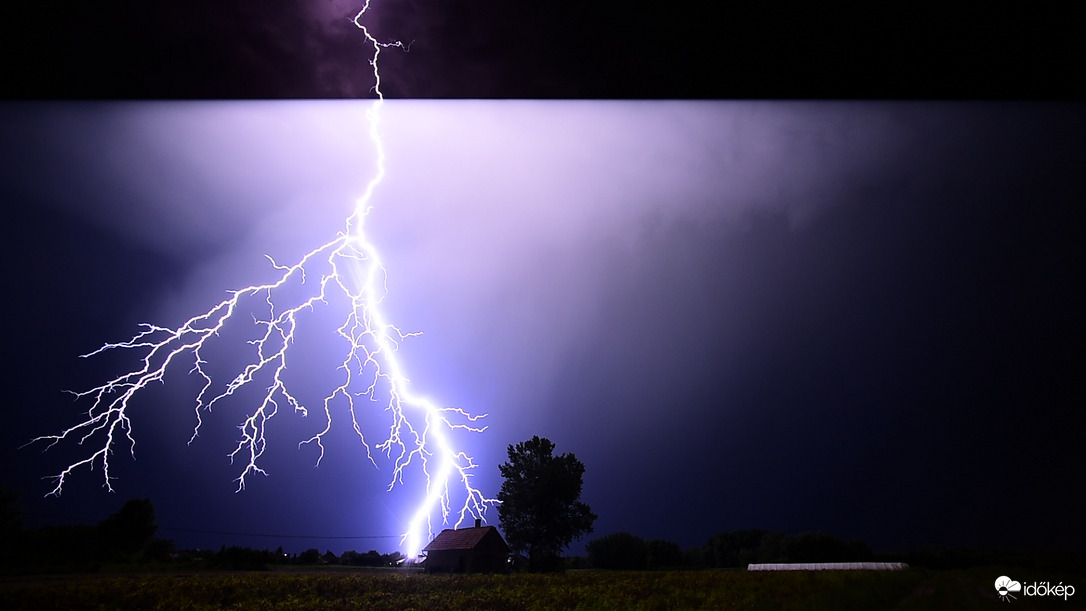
[{"x": 419, "y": 429}]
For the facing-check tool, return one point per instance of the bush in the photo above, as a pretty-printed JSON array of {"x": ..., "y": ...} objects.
[
  {"x": 620, "y": 550},
  {"x": 242, "y": 559},
  {"x": 125, "y": 534},
  {"x": 664, "y": 554},
  {"x": 310, "y": 556}
]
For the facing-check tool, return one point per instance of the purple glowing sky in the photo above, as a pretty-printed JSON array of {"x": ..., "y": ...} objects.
[{"x": 795, "y": 316}]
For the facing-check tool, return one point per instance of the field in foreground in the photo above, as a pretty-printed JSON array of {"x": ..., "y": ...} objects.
[{"x": 708, "y": 589}]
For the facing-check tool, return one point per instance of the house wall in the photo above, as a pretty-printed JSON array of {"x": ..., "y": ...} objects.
[
  {"x": 488, "y": 556},
  {"x": 464, "y": 561},
  {"x": 447, "y": 561}
]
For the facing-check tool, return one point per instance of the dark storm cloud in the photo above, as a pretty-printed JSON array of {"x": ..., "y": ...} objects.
[
  {"x": 156, "y": 172},
  {"x": 556, "y": 50},
  {"x": 243, "y": 49},
  {"x": 306, "y": 49}
]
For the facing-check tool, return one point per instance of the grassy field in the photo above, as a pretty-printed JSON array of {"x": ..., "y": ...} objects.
[{"x": 587, "y": 590}]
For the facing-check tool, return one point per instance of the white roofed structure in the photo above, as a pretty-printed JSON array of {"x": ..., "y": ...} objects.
[{"x": 828, "y": 566}]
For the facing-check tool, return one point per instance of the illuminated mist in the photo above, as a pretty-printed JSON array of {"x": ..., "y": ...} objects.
[
  {"x": 695, "y": 297},
  {"x": 372, "y": 378}
]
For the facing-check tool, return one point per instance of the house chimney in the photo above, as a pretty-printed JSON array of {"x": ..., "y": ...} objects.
[{"x": 478, "y": 523}]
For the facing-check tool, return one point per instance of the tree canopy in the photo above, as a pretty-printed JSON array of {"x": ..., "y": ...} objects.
[
  {"x": 541, "y": 511},
  {"x": 130, "y": 530}
]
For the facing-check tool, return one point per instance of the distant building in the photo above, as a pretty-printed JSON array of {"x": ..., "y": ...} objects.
[
  {"x": 829, "y": 566},
  {"x": 467, "y": 550}
]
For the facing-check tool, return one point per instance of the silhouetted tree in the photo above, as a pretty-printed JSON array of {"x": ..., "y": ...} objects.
[
  {"x": 130, "y": 530},
  {"x": 619, "y": 550},
  {"x": 242, "y": 559},
  {"x": 739, "y": 548},
  {"x": 310, "y": 556},
  {"x": 62, "y": 548},
  {"x": 772, "y": 547},
  {"x": 664, "y": 554},
  {"x": 160, "y": 550},
  {"x": 821, "y": 547},
  {"x": 11, "y": 535},
  {"x": 393, "y": 559},
  {"x": 695, "y": 557},
  {"x": 373, "y": 558},
  {"x": 541, "y": 511},
  {"x": 350, "y": 558},
  {"x": 729, "y": 549},
  {"x": 577, "y": 562},
  {"x": 9, "y": 512}
]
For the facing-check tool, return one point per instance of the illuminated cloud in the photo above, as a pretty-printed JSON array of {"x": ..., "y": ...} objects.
[{"x": 666, "y": 287}]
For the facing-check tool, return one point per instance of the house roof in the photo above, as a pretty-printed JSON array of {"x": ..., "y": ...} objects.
[{"x": 464, "y": 538}]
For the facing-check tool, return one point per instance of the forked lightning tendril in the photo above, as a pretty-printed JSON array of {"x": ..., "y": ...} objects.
[{"x": 348, "y": 266}]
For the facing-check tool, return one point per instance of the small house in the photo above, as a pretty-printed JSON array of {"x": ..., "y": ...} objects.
[{"x": 467, "y": 550}]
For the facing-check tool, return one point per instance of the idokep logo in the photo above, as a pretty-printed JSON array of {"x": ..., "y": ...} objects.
[{"x": 1005, "y": 586}]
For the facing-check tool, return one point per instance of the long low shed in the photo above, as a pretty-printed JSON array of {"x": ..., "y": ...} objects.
[{"x": 828, "y": 566}]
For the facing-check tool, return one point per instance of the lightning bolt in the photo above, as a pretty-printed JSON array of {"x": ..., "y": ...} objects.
[{"x": 419, "y": 431}]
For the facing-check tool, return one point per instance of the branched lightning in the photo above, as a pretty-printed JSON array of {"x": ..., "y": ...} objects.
[{"x": 349, "y": 265}]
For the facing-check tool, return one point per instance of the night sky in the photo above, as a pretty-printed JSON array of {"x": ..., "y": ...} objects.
[{"x": 855, "y": 310}]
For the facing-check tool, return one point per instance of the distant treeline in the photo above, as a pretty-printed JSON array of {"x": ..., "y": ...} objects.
[
  {"x": 735, "y": 549},
  {"x": 127, "y": 538},
  {"x": 248, "y": 559},
  {"x": 738, "y": 548}
]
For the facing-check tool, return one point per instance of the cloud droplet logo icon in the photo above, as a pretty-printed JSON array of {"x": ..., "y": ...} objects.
[{"x": 1005, "y": 585}]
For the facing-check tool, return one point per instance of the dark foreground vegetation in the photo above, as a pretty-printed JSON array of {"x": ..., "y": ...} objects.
[{"x": 580, "y": 590}]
